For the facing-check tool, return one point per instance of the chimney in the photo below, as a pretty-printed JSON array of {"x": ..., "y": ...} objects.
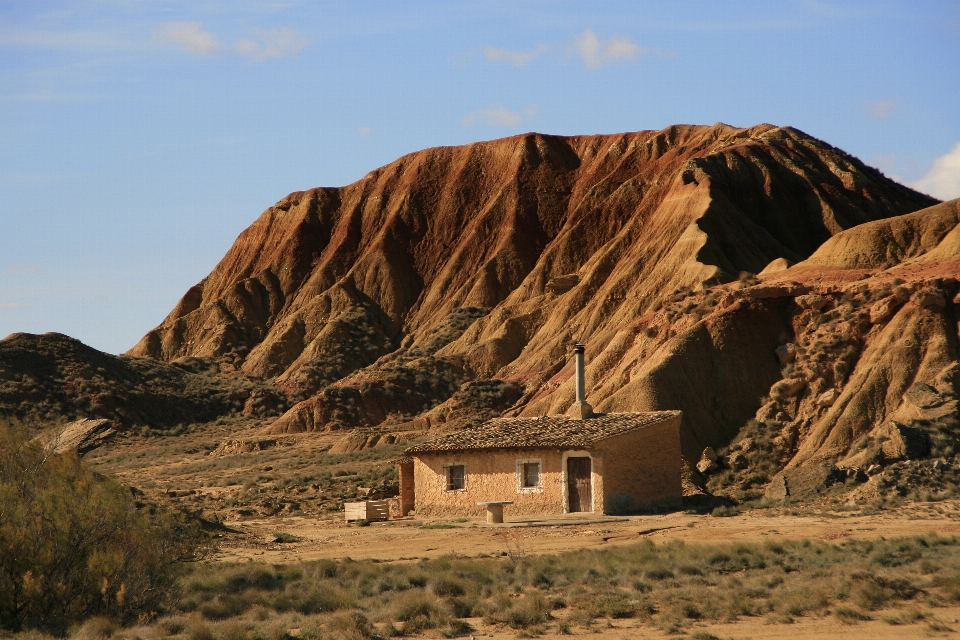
[{"x": 580, "y": 409}]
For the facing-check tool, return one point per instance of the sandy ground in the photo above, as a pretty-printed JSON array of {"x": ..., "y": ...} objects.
[
  {"x": 947, "y": 625},
  {"x": 404, "y": 539}
]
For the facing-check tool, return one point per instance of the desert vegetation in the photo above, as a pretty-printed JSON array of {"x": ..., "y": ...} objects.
[
  {"x": 74, "y": 544},
  {"x": 281, "y": 476},
  {"x": 672, "y": 587}
]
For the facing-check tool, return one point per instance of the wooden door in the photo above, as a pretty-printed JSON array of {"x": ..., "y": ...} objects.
[{"x": 579, "y": 490}]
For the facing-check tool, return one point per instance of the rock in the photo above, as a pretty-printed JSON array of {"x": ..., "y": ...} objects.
[
  {"x": 929, "y": 298},
  {"x": 938, "y": 465},
  {"x": 812, "y": 301},
  {"x": 781, "y": 290},
  {"x": 81, "y": 436},
  {"x": 706, "y": 466},
  {"x": 903, "y": 442},
  {"x": 562, "y": 284},
  {"x": 746, "y": 444},
  {"x": 708, "y": 461},
  {"x": 787, "y": 388},
  {"x": 854, "y": 475},
  {"x": 768, "y": 411},
  {"x": 233, "y": 447},
  {"x": 737, "y": 461},
  {"x": 807, "y": 481},
  {"x": 789, "y": 434},
  {"x": 923, "y": 396},
  {"x": 947, "y": 382},
  {"x": 883, "y": 309},
  {"x": 777, "y": 489},
  {"x": 786, "y": 353},
  {"x": 827, "y": 398},
  {"x": 874, "y": 469},
  {"x": 780, "y": 264},
  {"x": 727, "y": 300}
]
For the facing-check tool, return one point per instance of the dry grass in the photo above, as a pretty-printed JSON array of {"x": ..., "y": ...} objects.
[
  {"x": 673, "y": 587},
  {"x": 292, "y": 477}
]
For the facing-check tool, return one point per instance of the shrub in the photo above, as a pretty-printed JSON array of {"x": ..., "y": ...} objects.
[
  {"x": 417, "y": 613},
  {"x": 200, "y": 631},
  {"x": 325, "y": 598},
  {"x": 457, "y": 628},
  {"x": 351, "y": 626},
  {"x": 74, "y": 545},
  {"x": 448, "y": 588},
  {"x": 283, "y": 538},
  {"x": 849, "y": 615},
  {"x": 521, "y": 614}
]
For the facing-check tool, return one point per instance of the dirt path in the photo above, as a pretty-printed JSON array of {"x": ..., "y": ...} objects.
[
  {"x": 944, "y": 624},
  {"x": 408, "y": 539}
]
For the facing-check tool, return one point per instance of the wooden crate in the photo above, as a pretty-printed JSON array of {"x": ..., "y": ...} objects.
[{"x": 369, "y": 510}]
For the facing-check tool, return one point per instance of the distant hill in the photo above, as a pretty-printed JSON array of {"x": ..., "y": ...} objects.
[{"x": 52, "y": 378}]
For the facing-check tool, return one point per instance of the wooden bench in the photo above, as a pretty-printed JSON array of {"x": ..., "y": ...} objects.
[{"x": 495, "y": 510}]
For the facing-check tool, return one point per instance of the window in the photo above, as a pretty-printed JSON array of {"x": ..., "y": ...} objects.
[
  {"x": 455, "y": 477},
  {"x": 531, "y": 475}
]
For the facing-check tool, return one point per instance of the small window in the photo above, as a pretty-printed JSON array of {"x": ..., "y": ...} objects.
[
  {"x": 531, "y": 475},
  {"x": 529, "y": 479},
  {"x": 455, "y": 477}
]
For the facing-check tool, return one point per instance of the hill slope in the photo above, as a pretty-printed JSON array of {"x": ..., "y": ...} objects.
[
  {"x": 52, "y": 378},
  {"x": 377, "y": 301}
]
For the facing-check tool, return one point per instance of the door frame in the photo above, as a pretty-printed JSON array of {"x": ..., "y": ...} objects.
[{"x": 565, "y": 480}]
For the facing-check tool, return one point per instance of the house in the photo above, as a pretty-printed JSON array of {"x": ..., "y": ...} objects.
[{"x": 582, "y": 461}]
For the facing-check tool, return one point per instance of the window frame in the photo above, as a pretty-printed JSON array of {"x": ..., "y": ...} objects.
[
  {"x": 447, "y": 466},
  {"x": 519, "y": 468}
]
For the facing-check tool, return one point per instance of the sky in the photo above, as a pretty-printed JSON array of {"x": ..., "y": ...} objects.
[{"x": 138, "y": 138}]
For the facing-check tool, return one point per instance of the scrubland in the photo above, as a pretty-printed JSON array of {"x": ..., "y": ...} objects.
[{"x": 670, "y": 588}]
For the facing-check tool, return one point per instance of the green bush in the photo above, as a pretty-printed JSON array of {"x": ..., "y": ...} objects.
[{"x": 74, "y": 545}]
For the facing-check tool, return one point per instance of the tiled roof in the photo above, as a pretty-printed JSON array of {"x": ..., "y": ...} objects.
[{"x": 544, "y": 432}]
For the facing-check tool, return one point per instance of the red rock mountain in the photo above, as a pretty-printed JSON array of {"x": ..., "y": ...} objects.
[{"x": 452, "y": 282}]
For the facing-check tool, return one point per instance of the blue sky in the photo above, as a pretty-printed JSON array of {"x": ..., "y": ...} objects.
[{"x": 138, "y": 138}]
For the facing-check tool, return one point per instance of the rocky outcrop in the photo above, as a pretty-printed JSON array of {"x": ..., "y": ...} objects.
[
  {"x": 880, "y": 355},
  {"x": 80, "y": 437}
]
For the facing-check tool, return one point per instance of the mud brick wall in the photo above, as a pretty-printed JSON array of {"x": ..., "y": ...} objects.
[
  {"x": 489, "y": 476},
  {"x": 641, "y": 469}
]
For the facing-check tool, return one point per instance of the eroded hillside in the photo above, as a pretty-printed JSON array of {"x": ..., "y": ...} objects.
[{"x": 387, "y": 299}]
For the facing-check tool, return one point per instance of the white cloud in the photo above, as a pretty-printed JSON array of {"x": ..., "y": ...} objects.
[
  {"x": 273, "y": 43},
  {"x": 597, "y": 53},
  {"x": 880, "y": 109},
  {"x": 943, "y": 179},
  {"x": 516, "y": 58},
  {"x": 188, "y": 36},
  {"x": 497, "y": 115},
  {"x": 262, "y": 44},
  {"x": 364, "y": 131}
]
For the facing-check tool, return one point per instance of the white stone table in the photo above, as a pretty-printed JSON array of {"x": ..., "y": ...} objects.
[{"x": 495, "y": 510}]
